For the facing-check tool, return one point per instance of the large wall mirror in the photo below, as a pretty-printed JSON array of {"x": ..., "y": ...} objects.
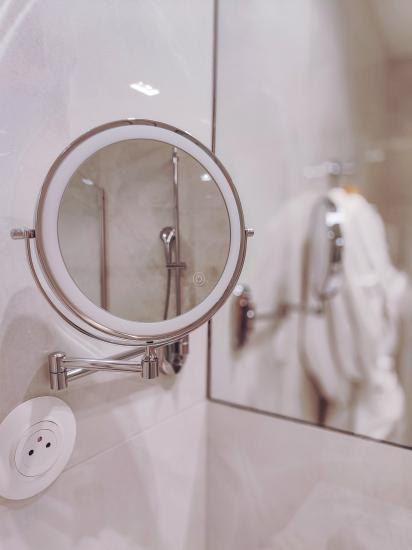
[{"x": 320, "y": 328}]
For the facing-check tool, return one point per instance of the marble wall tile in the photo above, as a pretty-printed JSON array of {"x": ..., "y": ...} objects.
[
  {"x": 148, "y": 493},
  {"x": 68, "y": 67},
  {"x": 334, "y": 518},
  {"x": 282, "y": 485}
]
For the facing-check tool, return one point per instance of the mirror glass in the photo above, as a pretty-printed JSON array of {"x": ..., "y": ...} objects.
[
  {"x": 143, "y": 230},
  {"x": 322, "y": 158}
]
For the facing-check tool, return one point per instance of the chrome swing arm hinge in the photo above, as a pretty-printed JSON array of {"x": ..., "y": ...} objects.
[{"x": 62, "y": 369}]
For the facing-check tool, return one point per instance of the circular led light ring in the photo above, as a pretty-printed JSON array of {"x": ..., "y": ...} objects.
[{"x": 47, "y": 242}]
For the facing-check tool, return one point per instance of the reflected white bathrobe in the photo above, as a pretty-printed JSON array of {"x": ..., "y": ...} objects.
[
  {"x": 359, "y": 332},
  {"x": 347, "y": 355}
]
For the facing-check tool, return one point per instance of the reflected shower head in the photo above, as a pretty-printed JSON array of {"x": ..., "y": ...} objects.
[{"x": 167, "y": 235}]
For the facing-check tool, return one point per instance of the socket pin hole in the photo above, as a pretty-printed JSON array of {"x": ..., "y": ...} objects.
[
  {"x": 31, "y": 452},
  {"x": 48, "y": 444}
]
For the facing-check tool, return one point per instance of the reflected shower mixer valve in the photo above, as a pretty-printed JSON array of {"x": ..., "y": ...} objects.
[{"x": 62, "y": 369}]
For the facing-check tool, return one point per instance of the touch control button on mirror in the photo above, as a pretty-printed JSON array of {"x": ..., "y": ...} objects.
[{"x": 199, "y": 278}]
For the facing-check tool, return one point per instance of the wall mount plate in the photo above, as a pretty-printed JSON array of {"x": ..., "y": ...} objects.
[{"x": 36, "y": 442}]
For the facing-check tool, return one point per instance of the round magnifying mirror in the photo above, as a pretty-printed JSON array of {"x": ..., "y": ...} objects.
[{"x": 139, "y": 231}]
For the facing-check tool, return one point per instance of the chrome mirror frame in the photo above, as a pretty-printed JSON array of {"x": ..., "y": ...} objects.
[{"x": 53, "y": 290}]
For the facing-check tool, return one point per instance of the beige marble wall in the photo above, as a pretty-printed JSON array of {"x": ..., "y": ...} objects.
[
  {"x": 137, "y": 476},
  {"x": 276, "y": 485},
  {"x": 67, "y": 67}
]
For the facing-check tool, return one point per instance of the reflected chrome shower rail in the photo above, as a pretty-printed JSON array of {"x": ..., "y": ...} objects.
[
  {"x": 175, "y": 160},
  {"x": 175, "y": 352},
  {"x": 104, "y": 298}
]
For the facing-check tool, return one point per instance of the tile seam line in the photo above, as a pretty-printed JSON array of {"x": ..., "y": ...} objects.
[{"x": 199, "y": 403}]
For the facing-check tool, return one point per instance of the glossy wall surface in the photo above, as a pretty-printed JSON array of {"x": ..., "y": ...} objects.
[
  {"x": 67, "y": 67},
  {"x": 276, "y": 485},
  {"x": 141, "y": 457}
]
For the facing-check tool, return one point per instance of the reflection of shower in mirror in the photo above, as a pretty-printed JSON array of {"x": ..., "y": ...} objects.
[
  {"x": 81, "y": 195},
  {"x": 175, "y": 353}
]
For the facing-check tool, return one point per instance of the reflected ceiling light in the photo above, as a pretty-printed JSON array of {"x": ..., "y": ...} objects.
[
  {"x": 86, "y": 181},
  {"x": 145, "y": 89},
  {"x": 206, "y": 177}
]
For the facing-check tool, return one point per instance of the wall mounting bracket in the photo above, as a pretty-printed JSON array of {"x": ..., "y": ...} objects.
[{"x": 63, "y": 369}]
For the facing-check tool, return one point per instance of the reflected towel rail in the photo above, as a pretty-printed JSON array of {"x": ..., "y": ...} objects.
[{"x": 325, "y": 287}]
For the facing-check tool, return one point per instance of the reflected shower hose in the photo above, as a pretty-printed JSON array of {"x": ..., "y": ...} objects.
[{"x": 176, "y": 352}]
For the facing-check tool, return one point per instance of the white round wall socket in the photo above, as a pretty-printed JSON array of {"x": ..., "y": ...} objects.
[
  {"x": 36, "y": 442},
  {"x": 38, "y": 449}
]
